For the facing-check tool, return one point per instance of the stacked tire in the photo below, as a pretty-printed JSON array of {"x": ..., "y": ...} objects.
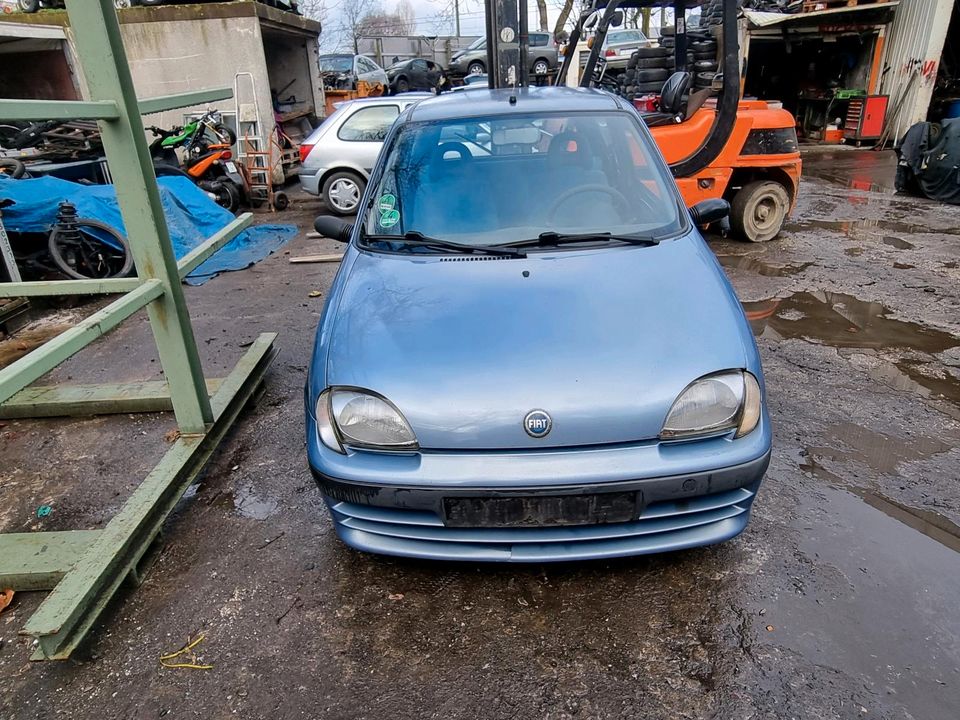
[
  {"x": 647, "y": 70},
  {"x": 703, "y": 62}
]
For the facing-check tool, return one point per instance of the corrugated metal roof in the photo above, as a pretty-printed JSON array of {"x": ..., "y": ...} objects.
[{"x": 767, "y": 19}]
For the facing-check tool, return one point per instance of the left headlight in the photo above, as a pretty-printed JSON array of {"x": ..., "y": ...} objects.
[
  {"x": 361, "y": 419},
  {"x": 715, "y": 404}
]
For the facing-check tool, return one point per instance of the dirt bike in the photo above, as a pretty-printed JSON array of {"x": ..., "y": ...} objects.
[{"x": 207, "y": 158}]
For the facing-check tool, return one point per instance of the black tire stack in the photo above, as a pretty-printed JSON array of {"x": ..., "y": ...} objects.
[
  {"x": 704, "y": 62},
  {"x": 647, "y": 70}
]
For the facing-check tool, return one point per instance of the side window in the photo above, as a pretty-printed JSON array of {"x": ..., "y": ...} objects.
[
  {"x": 538, "y": 39},
  {"x": 364, "y": 65},
  {"x": 369, "y": 124},
  {"x": 419, "y": 64}
]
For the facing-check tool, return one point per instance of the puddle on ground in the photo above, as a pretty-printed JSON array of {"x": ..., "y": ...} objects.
[
  {"x": 841, "y": 320},
  {"x": 26, "y": 340},
  {"x": 251, "y": 506},
  {"x": 871, "y": 226},
  {"x": 927, "y": 522},
  {"x": 761, "y": 267}
]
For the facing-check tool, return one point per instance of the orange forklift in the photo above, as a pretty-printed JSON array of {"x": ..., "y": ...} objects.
[{"x": 744, "y": 151}]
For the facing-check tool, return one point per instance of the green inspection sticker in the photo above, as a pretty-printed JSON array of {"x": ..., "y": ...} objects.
[
  {"x": 387, "y": 202},
  {"x": 389, "y": 218}
]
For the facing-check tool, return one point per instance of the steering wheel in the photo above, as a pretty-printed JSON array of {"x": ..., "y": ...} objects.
[
  {"x": 458, "y": 147},
  {"x": 618, "y": 199}
]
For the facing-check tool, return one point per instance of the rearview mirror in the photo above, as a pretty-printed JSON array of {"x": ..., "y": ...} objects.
[
  {"x": 709, "y": 211},
  {"x": 617, "y": 19},
  {"x": 333, "y": 228}
]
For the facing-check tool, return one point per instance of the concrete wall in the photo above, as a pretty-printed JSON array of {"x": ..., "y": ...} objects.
[{"x": 184, "y": 55}]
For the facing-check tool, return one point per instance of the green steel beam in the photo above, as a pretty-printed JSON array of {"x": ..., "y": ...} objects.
[
  {"x": 104, "y": 61},
  {"x": 83, "y": 400},
  {"x": 39, "y": 560},
  {"x": 17, "y": 375},
  {"x": 67, "y": 613},
  {"x": 189, "y": 262},
  {"x": 108, "y": 286},
  {"x": 40, "y": 110},
  {"x": 182, "y": 100}
]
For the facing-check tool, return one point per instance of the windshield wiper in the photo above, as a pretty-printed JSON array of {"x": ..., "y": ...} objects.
[
  {"x": 550, "y": 239},
  {"x": 415, "y": 238}
]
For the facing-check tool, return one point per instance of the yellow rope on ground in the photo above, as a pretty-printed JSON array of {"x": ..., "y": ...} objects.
[{"x": 193, "y": 664}]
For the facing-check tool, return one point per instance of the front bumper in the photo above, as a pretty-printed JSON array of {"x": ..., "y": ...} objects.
[{"x": 394, "y": 504}]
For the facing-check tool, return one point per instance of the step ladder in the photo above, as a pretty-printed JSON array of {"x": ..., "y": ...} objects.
[{"x": 254, "y": 153}]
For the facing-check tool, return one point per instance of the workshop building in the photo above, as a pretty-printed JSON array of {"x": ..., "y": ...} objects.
[{"x": 268, "y": 56}]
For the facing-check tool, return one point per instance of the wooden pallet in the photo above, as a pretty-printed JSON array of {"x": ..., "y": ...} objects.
[{"x": 815, "y": 5}]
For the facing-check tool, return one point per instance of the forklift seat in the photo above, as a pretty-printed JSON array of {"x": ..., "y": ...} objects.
[{"x": 672, "y": 101}]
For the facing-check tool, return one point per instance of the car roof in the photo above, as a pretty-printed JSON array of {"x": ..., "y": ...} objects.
[
  {"x": 486, "y": 102},
  {"x": 391, "y": 99}
]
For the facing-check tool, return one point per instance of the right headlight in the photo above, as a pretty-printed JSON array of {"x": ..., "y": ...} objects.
[
  {"x": 361, "y": 419},
  {"x": 713, "y": 405}
]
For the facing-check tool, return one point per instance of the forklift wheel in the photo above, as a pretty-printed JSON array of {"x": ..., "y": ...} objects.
[{"x": 759, "y": 209}]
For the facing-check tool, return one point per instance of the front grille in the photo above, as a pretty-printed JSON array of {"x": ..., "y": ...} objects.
[{"x": 660, "y": 526}]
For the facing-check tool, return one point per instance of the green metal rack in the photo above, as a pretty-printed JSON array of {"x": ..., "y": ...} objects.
[{"x": 84, "y": 568}]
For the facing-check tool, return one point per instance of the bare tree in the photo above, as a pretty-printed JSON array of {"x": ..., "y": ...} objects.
[
  {"x": 382, "y": 24},
  {"x": 542, "y": 11},
  {"x": 407, "y": 15},
  {"x": 562, "y": 18},
  {"x": 352, "y": 15}
]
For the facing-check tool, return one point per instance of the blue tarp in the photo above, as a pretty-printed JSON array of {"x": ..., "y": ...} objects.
[{"x": 191, "y": 215}]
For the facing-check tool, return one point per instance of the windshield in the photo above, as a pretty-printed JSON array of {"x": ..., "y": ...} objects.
[
  {"x": 488, "y": 181},
  {"x": 336, "y": 63},
  {"x": 479, "y": 43}
]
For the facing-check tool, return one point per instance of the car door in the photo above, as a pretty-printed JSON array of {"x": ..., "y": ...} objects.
[
  {"x": 418, "y": 75},
  {"x": 361, "y": 134}
]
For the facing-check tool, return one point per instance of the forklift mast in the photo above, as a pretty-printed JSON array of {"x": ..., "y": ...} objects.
[
  {"x": 508, "y": 43},
  {"x": 609, "y": 12}
]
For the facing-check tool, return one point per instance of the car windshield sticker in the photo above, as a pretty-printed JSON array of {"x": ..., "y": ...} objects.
[
  {"x": 387, "y": 202},
  {"x": 389, "y": 218}
]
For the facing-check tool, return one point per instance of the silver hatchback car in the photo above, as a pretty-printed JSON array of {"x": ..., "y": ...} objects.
[{"x": 337, "y": 157}]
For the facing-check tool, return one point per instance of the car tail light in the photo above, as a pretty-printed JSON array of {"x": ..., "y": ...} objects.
[
  {"x": 610, "y": 53},
  {"x": 304, "y": 151}
]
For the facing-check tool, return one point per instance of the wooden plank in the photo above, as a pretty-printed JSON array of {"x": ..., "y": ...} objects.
[
  {"x": 67, "y": 614},
  {"x": 189, "y": 262},
  {"x": 333, "y": 257},
  {"x": 182, "y": 100},
  {"x": 41, "y": 288},
  {"x": 38, "y": 560},
  {"x": 85, "y": 400},
  {"x": 20, "y": 373},
  {"x": 40, "y": 110}
]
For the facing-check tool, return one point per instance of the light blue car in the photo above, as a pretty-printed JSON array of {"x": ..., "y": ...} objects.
[{"x": 529, "y": 353}]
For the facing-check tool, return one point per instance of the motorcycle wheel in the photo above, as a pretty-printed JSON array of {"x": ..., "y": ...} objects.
[
  {"x": 90, "y": 258},
  {"x": 226, "y": 135},
  {"x": 224, "y": 194}
]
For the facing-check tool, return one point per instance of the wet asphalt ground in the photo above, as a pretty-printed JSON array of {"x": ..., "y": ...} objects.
[{"x": 841, "y": 600}]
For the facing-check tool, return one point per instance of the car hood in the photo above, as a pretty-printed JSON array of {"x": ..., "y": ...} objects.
[{"x": 602, "y": 339}]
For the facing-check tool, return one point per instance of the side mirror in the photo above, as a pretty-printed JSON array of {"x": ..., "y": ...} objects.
[
  {"x": 333, "y": 228},
  {"x": 708, "y": 211},
  {"x": 617, "y": 19}
]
